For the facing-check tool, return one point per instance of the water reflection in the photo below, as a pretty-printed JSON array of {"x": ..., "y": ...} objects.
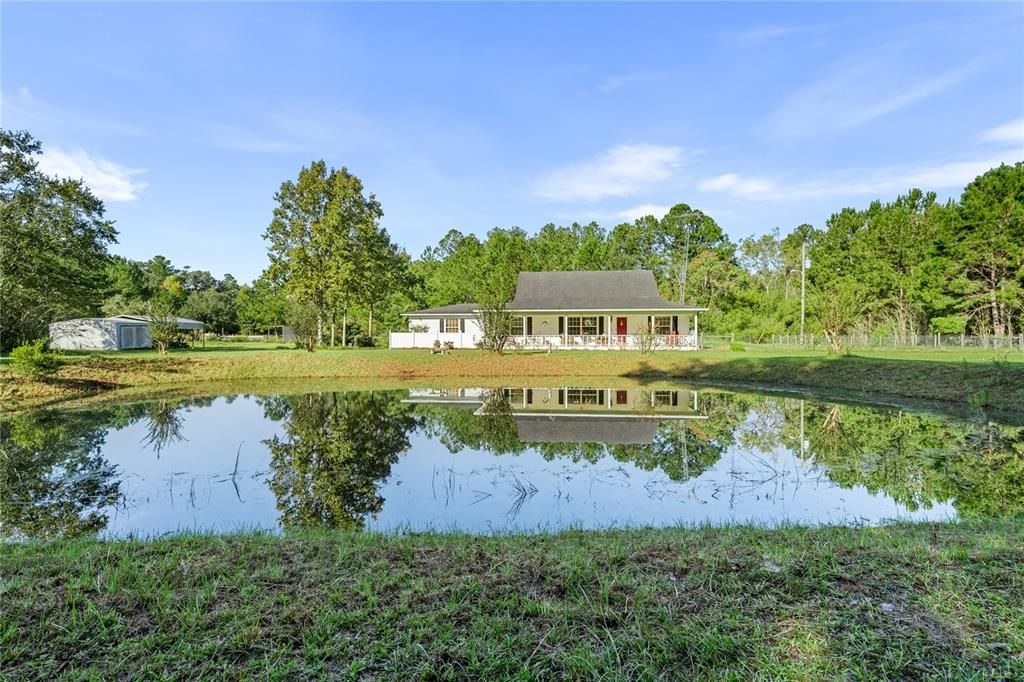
[
  {"x": 679, "y": 432},
  {"x": 336, "y": 449},
  {"x": 164, "y": 424},
  {"x": 480, "y": 460}
]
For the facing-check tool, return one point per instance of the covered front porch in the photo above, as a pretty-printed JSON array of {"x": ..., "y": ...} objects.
[{"x": 602, "y": 330}]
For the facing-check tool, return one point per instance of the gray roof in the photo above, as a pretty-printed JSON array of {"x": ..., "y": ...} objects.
[
  {"x": 183, "y": 322},
  {"x": 586, "y": 429},
  {"x": 456, "y": 309},
  {"x": 610, "y": 290}
]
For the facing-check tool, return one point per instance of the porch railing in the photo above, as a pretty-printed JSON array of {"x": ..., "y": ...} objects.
[{"x": 606, "y": 341}]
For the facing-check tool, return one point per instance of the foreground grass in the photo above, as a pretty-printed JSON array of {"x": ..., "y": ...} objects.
[
  {"x": 978, "y": 378},
  {"x": 898, "y": 602}
]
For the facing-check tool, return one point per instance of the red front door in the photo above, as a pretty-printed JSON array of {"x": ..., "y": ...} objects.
[{"x": 620, "y": 326}]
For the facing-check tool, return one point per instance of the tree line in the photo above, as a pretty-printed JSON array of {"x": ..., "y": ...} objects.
[{"x": 906, "y": 267}]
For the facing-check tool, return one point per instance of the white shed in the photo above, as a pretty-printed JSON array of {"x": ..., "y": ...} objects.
[{"x": 124, "y": 332}]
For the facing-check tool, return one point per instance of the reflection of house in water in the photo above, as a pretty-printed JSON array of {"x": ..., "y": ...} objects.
[
  {"x": 473, "y": 397},
  {"x": 575, "y": 414}
]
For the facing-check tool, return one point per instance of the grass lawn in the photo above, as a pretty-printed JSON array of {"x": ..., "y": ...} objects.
[
  {"x": 898, "y": 602},
  {"x": 965, "y": 377}
]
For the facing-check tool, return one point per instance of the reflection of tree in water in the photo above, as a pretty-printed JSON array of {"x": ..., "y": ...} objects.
[
  {"x": 164, "y": 426},
  {"x": 54, "y": 481},
  {"x": 917, "y": 459},
  {"x": 492, "y": 429},
  {"x": 338, "y": 448},
  {"x": 989, "y": 471}
]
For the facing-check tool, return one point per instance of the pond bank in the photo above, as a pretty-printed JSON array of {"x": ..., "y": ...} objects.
[
  {"x": 992, "y": 382},
  {"x": 902, "y": 601}
]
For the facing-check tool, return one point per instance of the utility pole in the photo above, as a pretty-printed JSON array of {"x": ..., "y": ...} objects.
[
  {"x": 686, "y": 263},
  {"x": 803, "y": 286}
]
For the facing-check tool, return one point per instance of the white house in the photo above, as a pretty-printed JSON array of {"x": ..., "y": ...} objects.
[
  {"x": 594, "y": 310},
  {"x": 124, "y": 332}
]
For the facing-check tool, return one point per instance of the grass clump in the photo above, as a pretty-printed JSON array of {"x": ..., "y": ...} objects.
[{"x": 938, "y": 601}]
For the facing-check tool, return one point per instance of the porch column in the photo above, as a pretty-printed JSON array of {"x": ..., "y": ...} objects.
[{"x": 696, "y": 339}]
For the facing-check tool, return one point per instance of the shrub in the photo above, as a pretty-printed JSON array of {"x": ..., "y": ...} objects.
[
  {"x": 35, "y": 360},
  {"x": 737, "y": 346},
  {"x": 364, "y": 341}
]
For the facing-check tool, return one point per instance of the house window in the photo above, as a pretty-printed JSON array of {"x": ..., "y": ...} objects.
[
  {"x": 517, "y": 326},
  {"x": 662, "y": 397},
  {"x": 663, "y": 324},
  {"x": 516, "y": 396},
  {"x": 582, "y": 396},
  {"x": 581, "y": 326},
  {"x": 451, "y": 326}
]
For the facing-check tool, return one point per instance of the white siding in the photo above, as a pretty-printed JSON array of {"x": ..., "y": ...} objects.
[
  {"x": 463, "y": 339},
  {"x": 99, "y": 334}
]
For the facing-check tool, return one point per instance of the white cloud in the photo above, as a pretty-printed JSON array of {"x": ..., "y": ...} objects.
[
  {"x": 240, "y": 139},
  {"x": 624, "y": 170},
  {"x": 24, "y": 110},
  {"x": 855, "y": 92},
  {"x": 759, "y": 34},
  {"x": 739, "y": 186},
  {"x": 617, "y": 81},
  {"x": 950, "y": 175},
  {"x": 656, "y": 210},
  {"x": 107, "y": 180},
  {"x": 1012, "y": 132}
]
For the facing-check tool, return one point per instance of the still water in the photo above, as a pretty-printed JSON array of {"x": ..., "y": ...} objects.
[{"x": 495, "y": 460}]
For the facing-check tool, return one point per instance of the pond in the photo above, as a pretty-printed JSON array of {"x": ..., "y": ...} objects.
[{"x": 494, "y": 461}]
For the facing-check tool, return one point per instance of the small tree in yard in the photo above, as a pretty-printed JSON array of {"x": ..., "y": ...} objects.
[
  {"x": 646, "y": 340},
  {"x": 304, "y": 320},
  {"x": 35, "y": 360},
  {"x": 163, "y": 324},
  {"x": 495, "y": 321},
  {"x": 836, "y": 309}
]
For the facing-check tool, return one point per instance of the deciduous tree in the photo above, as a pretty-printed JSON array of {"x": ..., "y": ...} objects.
[{"x": 54, "y": 237}]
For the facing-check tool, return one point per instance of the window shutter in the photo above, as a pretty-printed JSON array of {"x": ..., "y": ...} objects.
[
  {"x": 462, "y": 326},
  {"x": 600, "y": 397},
  {"x": 600, "y": 325},
  {"x": 561, "y": 396},
  {"x": 529, "y": 326},
  {"x": 675, "y": 398},
  {"x": 561, "y": 327},
  {"x": 675, "y": 323},
  {"x": 529, "y": 396}
]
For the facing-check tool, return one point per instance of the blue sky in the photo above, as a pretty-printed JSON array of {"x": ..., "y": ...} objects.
[{"x": 186, "y": 117}]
